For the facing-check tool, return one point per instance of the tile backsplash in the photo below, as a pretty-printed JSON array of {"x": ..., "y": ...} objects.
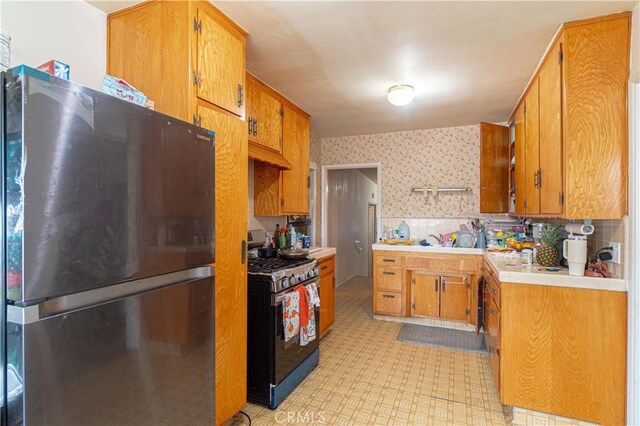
[
  {"x": 421, "y": 228},
  {"x": 606, "y": 231}
]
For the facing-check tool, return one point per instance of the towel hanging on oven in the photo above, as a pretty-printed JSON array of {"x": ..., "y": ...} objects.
[
  {"x": 308, "y": 333},
  {"x": 291, "y": 315}
]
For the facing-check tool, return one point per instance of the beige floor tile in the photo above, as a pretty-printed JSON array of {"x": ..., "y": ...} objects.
[{"x": 367, "y": 377}]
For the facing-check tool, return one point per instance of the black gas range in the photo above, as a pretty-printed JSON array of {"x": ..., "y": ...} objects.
[{"x": 275, "y": 367}]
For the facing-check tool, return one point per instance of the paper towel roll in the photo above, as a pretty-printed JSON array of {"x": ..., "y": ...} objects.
[{"x": 579, "y": 228}]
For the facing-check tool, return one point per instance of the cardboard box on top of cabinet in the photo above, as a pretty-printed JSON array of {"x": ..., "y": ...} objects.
[{"x": 56, "y": 68}]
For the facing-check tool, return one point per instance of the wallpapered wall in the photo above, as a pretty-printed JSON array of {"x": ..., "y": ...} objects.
[{"x": 436, "y": 157}]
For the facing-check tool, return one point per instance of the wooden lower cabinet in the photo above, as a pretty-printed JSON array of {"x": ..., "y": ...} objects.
[
  {"x": 560, "y": 350},
  {"x": 327, "y": 292},
  {"x": 425, "y": 295},
  {"x": 454, "y": 298},
  {"x": 425, "y": 285}
]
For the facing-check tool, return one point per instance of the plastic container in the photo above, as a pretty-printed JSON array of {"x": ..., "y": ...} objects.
[
  {"x": 404, "y": 233},
  {"x": 5, "y": 51}
]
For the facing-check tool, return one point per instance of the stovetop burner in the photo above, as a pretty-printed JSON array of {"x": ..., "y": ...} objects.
[
  {"x": 280, "y": 274},
  {"x": 267, "y": 266}
]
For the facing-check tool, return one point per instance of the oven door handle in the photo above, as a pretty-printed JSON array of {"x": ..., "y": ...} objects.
[{"x": 276, "y": 299}]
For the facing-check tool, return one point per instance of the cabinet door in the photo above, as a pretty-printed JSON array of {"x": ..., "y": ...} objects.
[
  {"x": 327, "y": 301},
  {"x": 494, "y": 348},
  {"x": 551, "y": 132},
  {"x": 494, "y": 168},
  {"x": 231, "y": 268},
  {"x": 520, "y": 154},
  {"x": 425, "y": 295},
  {"x": 219, "y": 63},
  {"x": 269, "y": 124},
  {"x": 295, "y": 148},
  {"x": 454, "y": 298},
  {"x": 532, "y": 153}
]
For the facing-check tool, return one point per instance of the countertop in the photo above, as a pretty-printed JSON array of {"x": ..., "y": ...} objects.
[
  {"x": 320, "y": 252},
  {"x": 507, "y": 270},
  {"x": 416, "y": 248}
]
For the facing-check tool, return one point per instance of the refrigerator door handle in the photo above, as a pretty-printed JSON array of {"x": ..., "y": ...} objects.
[{"x": 72, "y": 302}]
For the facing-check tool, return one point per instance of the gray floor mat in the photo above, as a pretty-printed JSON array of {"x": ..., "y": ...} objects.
[{"x": 443, "y": 337}]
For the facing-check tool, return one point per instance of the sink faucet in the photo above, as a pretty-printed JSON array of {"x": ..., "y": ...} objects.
[{"x": 438, "y": 238}]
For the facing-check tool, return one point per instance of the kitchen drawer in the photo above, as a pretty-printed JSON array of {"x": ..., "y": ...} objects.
[
  {"x": 388, "y": 303},
  {"x": 493, "y": 289},
  {"x": 392, "y": 260},
  {"x": 488, "y": 269},
  {"x": 389, "y": 279},
  {"x": 327, "y": 265},
  {"x": 443, "y": 263}
]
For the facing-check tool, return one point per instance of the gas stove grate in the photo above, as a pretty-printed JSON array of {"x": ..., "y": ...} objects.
[{"x": 267, "y": 266}]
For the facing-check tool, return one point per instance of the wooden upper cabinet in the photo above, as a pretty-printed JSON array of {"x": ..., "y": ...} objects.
[
  {"x": 595, "y": 73},
  {"x": 532, "y": 147},
  {"x": 264, "y": 115},
  {"x": 550, "y": 174},
  {"x": 295, "y": 148},
  {"x": 494, "y": 168},
  {"x": 519, "y": 149},
  {"x": 219, "y": 74},
  {"x": 574, "y": 161}
]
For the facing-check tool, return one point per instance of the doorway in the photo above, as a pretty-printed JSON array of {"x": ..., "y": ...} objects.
[{"x": 350, "y": 216}]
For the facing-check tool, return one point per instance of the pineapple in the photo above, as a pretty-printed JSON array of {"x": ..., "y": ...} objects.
[{"x": 548, "y": 254}]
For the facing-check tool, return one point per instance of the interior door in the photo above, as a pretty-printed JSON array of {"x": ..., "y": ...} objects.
[
  {"x": 219, "y": 65},
  {"x": 454, "y": 298},
  {"x": 532, "y": 149},
  {"x": 520, "y": 154},
  {"x": 295, "y": 148},
  {"x": 494, "y": 168},
  {"x": 231, "y": 183},
  {"x": 551, "y": 133},
  {"x": 425, "y": 295}
]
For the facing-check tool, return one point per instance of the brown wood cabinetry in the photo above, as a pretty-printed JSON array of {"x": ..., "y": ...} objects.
[
  {"x": 189, "y": 58},
  {"x": 519, "y": 153},
  {"x": 573, "y": 111},
  {"x": 440, "y": 296},
  {"x": 426, "y": 285},
  {"x": 494, "y": 168},
  {"x": 558, "y": 350},
  {"x": 327, "y": 292},
  {"x": 532, "y": 150},
  {"x": 425, "y": 295},
  {"x": 279, "y": 191},
  {"x": 264, "y": 115}
]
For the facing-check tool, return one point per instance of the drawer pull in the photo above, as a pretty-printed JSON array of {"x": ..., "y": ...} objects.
[
  {"x": 493, "y": 291},
  {"x": 389, "y": 260},
  {"x": 388, "y": 273},
  {"x": 324, "y": 267},
  {"x": 388, "y": 296}
]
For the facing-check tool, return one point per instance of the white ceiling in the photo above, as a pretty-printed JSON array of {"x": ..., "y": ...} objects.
[{"x": 468, "y": 61}]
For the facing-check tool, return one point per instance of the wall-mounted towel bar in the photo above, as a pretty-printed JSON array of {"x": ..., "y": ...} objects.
[{"x": 464, "y": 189}]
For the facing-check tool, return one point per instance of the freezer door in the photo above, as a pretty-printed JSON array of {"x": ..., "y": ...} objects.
[
  {"x": 146, "y": 359},
  {"x": 100, "y": 190}
]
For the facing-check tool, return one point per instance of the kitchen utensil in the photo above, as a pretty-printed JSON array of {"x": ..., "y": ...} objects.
[
  {"x": 293, "y": 254},
  {"x": 267, "y": 252}
]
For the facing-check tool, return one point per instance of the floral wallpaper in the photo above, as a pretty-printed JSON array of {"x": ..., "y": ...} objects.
[
  {"x": 315, "y": 155},
  {"x": 434, "y": 157}
]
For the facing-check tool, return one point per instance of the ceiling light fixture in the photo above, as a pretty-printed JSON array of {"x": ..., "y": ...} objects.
[{"x": 400, "y": 95}]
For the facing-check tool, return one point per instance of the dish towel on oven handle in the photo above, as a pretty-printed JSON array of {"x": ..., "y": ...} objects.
[
  {"x": 291, "y": 315},
  {"x": 308, "y": 333}
]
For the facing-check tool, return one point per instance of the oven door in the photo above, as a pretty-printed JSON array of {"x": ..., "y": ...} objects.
[{"x": 289, "y": 355}]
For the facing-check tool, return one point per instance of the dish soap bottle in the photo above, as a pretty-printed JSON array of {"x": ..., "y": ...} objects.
[
  {"x": 282, "y": 243},
  {"x": 292, "y": 244},
  {"x": 403, "y": 231}
]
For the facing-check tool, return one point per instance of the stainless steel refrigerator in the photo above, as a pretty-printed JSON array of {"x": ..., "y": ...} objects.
[{"x": 107, "y": 246}]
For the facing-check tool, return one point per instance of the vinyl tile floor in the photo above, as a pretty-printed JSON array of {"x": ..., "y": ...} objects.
[{"x": 367, "y": 377}]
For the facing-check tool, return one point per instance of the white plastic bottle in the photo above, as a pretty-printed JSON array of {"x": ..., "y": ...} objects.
[{"x": 293, "y": 238}]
